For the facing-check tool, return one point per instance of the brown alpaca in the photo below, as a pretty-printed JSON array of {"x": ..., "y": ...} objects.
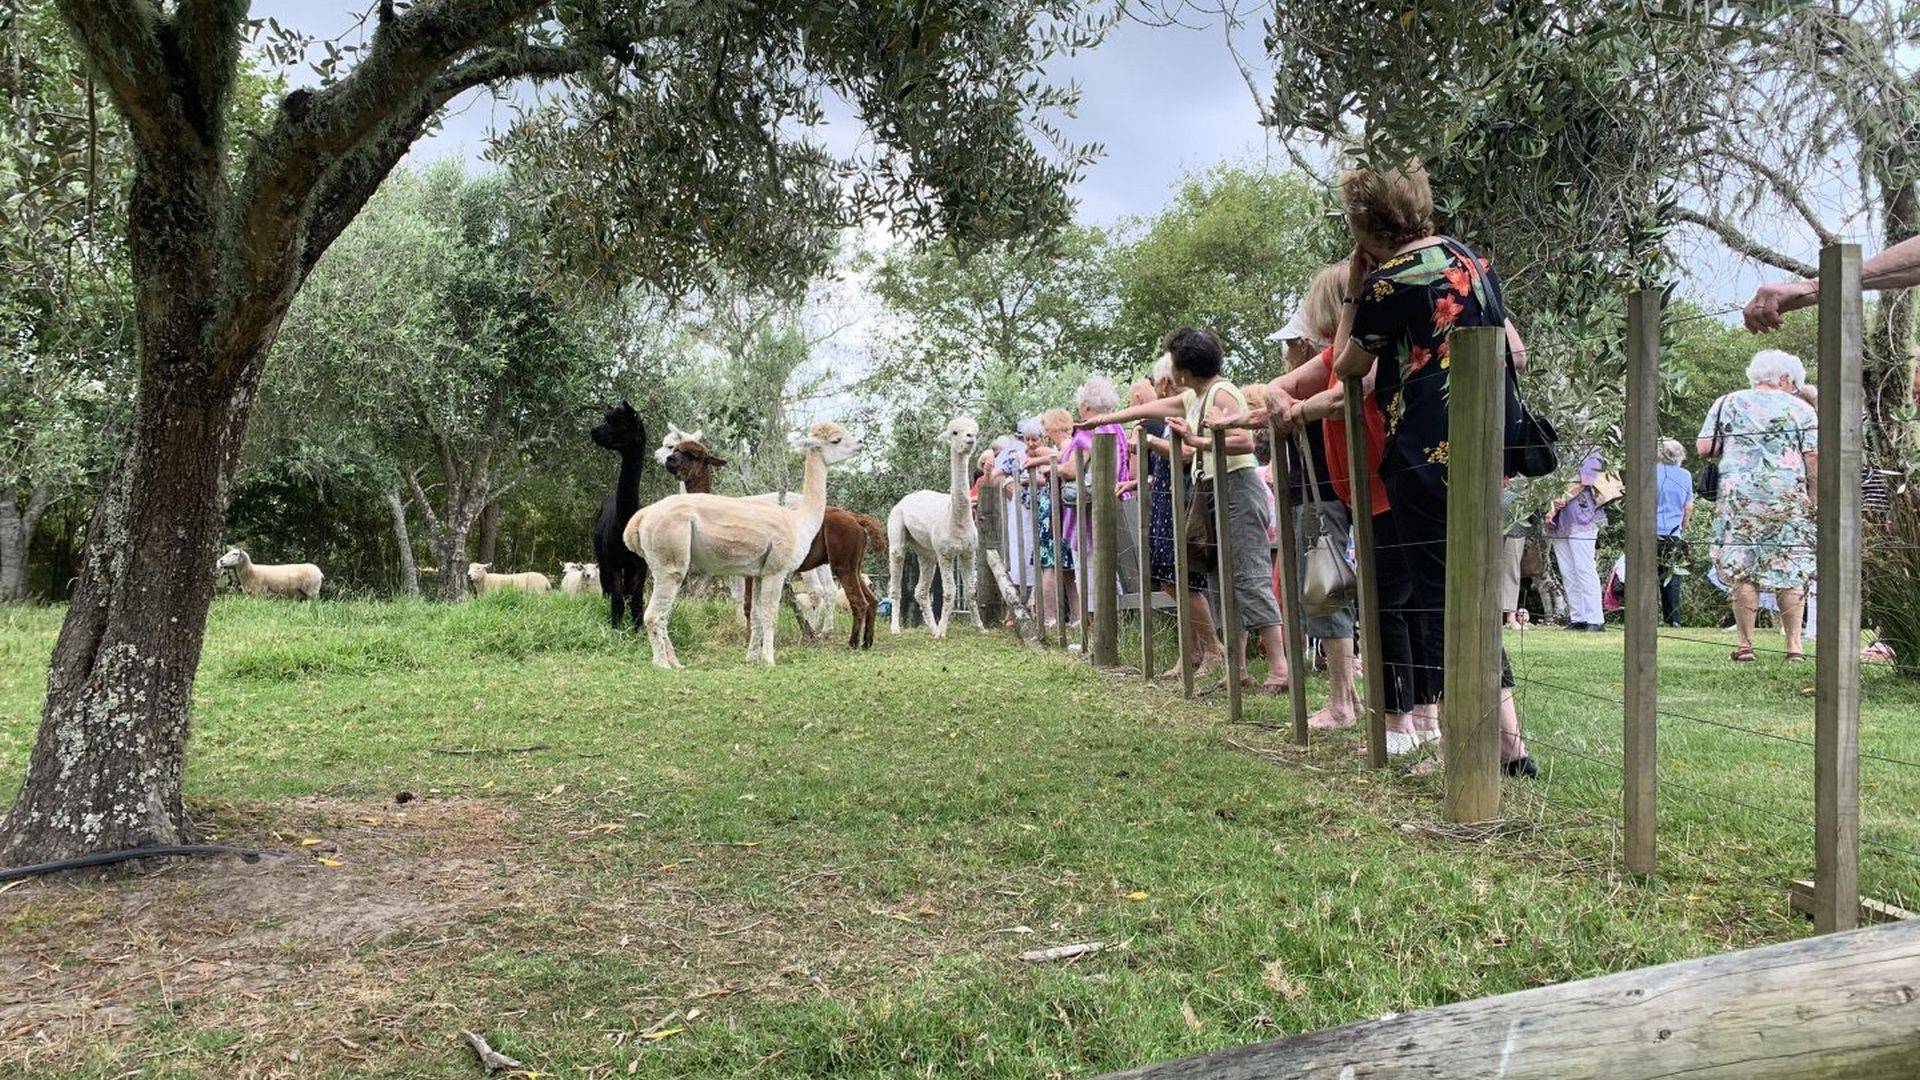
[{"x": 840, "y": 545}]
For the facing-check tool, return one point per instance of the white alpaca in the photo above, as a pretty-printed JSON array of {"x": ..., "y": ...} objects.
[
  {"x": 485, "y": 582},
  {"x": 723, "y": 537},
  {"x": 297, "y": 580},
  {"x": 578, "y": 576},
  {"x": 939, "y": 527}
]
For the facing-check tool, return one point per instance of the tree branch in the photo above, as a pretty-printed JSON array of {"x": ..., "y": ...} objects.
[
  {"x": 1783, "y": 186},
  {"x": 207, "y": 34},
  {"x": 122, "y": 41},
  {"x": 1744, "y": 244}
]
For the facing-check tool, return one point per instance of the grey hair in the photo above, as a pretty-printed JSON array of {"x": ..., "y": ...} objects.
[
  {"x": 1672, "y": 452},
  {"x": 1162, "y": 370},
  {"x": 1031, "y": 428},
  {"x": 1096, "y": 395},
  {"x": 1772, "y": 365},
  {"x": 1003, "y": 444}
]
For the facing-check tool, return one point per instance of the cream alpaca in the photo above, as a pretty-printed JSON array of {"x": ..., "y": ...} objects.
[
  {"x": 724, "y": 537},
  {"x": 297, "y": 580},
  {"x": 485, "y": 582},
  {"x": 938, "y": 527}
]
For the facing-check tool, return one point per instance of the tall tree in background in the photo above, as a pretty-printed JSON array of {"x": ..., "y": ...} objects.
[{"x": 692, "y": 149}]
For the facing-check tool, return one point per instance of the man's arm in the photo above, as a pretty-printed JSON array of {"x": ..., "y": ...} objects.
[{"x": 1895, "y": 268}]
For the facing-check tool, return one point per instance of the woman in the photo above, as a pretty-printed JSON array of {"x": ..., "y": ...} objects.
[
  {"x": 1206, "y": 649},
  {"x": 1056, "y": 554},
  {"x": 1408, "y": 289},
  {"x": 1196, "y": 361},
  {"x": 1019, "y": 527},
  {"x": 1513, "y": 552},
  {"x": 1673, "y": 513},
  {"x": 1573, "y": 528},
  {"x": 1302, "y": 399},
  {"x": 1763, "y": 534},
  {"x": 1094, "y": 396}
]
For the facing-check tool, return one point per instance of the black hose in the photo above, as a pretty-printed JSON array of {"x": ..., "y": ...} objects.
[{"x": 106, "y": 858}]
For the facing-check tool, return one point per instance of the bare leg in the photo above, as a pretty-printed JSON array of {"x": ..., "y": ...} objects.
[
  {"x": 1746, "y": 601},
  {"x": 666, "y": 587},
  {"x": 1426, "y": 722},
  {"x": 1206, "y": 647},
  {"x": 1341, "y": 701},
  {"x": 1274, "y": 639},
  {"x": 1400, "y": 736},
  {"x": 1512, "y": 746},
  {"x": 1793, "y": 611}
]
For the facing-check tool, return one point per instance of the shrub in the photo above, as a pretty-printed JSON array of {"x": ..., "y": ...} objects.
[{"x": 1890, "y": 579}]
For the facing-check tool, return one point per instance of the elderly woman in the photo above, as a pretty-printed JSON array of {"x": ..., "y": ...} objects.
[
  {"x": 1013, "y": 450},
  {"x": 1095, "y": 396},
  {"x": 1196, "y": 359},
  {"x": 1407, "y": 290},
  {"x": 1673, "y": 513},
  {"x": 1763, "y": 533},
  {"x": 1056, "y": 556}
]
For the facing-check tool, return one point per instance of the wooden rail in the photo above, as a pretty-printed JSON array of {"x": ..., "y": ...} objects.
[{"x": 1840, "y": 1005}]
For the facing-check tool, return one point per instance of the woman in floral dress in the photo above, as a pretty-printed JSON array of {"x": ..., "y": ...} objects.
[{"x": 1763, "y": 531}]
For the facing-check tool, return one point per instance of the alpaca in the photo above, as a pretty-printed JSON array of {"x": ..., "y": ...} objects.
[
  {"x": 938, "y": 528},
  {"x": 578, "y": 576},
  {"x": 687, "y": 459},
  {"x": 714, "y": 535},
  {"x": 623, "y": 574},
  {"x": 841, "y": 547},
  {"x": 484, "y": 581},
  {"x": 300, "y": 581}
]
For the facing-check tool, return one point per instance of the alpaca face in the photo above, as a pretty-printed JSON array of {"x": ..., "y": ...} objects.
[
  {"x": 961, "y": 433},
  {"x": 689, "y": 461},
  {"x": 620, "y": 429},
  {"x": 836, "y": 444},
  {"x": 234, "y": 557}
]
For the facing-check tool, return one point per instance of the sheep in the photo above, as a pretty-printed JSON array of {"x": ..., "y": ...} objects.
[
  {"x": 296, "y": 580},
  {"x": 485, "y": 582},
  {"x": 579, "y": 576}
]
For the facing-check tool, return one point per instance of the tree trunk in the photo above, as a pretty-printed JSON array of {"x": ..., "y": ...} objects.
[
  {"x": 403, "y": 543},
  {"x": 1888, "y": 354},
  {"x": 106, "y": 766},
  {"x": 451, "y": 550},
  {"x": 13, "y": 550},
  {"x": 489, "y": 533}
]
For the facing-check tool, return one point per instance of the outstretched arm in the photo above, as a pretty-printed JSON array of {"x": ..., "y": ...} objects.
[
  {"x": 1895, "y": 268},
  {"x": 1159, "y": 409}
]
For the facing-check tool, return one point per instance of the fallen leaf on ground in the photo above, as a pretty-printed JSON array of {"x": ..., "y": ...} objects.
[
  {"x": 656, "y": 1036},
  {"x": 1137, "y": 895},
  {"x": 1186, "y": 1013},
  {"x": 1274, "y": 974}
]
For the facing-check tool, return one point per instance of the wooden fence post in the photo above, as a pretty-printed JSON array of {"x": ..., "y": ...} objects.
[
  {"x": 1476, "y": 451},
  {"x": 1292, "y": 613},
  {"x": 986, "y": 593},
  {"x": 1143, "y": 500},
  {"x": 1103, "y": 570},
  {"x": 1640, "y": 661},
  {"x": 1083, "y": 546},
  {"x": 1373, "y": 666},
  {"x": 1037, "y": 602},
  {"x": 1177, "y": 474},
  {"x": 1056, "y": 518},
  {"x": 1836, "y": 711},
  {"x": 1231, "y": 632}
]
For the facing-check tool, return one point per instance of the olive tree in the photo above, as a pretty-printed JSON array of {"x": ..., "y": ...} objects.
[{"x": 675, "y": 139}]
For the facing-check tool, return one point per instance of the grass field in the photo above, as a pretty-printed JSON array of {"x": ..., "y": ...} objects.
[{"x": 829, "y": 868}]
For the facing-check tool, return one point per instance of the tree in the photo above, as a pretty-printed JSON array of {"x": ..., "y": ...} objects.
[
  {"x": 683, "y": 147},
  {"x": 1234, "y": 251}
]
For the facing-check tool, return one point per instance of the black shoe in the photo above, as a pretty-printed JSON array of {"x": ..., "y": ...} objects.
[
  {"x": 1577, "y": 627},
  {"x": 1595, "y": 628},
  {"x": 1521, "y": 766}
]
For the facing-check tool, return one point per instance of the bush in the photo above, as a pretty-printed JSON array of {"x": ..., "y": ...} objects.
[{"x": 1890, "y": 579}]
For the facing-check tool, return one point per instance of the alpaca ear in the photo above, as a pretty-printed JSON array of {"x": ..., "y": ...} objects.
[
  {"x": 715, "y": 462},
  {"x": 624, "y": 405}
]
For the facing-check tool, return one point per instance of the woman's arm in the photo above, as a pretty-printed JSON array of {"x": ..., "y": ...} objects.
[
  {"x": 1895, "y": 268},
  {"x": 1810, "y": 462},
  {"x": 1159, "y": 409},
  {"x": 1516, "y": 347}
]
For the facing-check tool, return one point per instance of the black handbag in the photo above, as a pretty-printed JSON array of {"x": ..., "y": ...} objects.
[
  {"x": 1529, "y": 437},
  {"x": 1707, "y": 484}
]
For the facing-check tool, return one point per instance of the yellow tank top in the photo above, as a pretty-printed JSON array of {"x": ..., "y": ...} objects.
[{"x": 1196, "y": 412}]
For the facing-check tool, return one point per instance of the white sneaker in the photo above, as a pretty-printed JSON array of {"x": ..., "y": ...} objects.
[{"x": 1402, "y": 742}]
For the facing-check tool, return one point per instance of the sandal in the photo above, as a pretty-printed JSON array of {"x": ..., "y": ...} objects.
[
  {"x": 1274, "y": 689},
  {"x": 1743, "y": 654},
  {"x": 1800, "y": 656}
]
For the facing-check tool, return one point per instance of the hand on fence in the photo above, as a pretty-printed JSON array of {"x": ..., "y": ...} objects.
[
  {"x": 1763, "y": 312},
  {"x": 1231, "y": 417}
]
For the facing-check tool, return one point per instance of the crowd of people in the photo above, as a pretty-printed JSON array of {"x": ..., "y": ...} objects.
[{"x": 1384, "y": 316}]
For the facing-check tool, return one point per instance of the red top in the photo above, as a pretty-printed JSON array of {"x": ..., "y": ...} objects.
[{"x": 1333, "y": 429}]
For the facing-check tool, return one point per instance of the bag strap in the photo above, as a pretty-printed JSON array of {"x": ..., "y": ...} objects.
[{"x": 1719, "y": 437}]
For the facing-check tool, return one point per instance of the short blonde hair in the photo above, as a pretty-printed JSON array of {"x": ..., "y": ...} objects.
[
  {"x": 1322, "y": 304},
  {"x": 1141, "y": 391},
  {"x": 1056, "y": 420},
  {"x": 1390, "y": 208},
  {"x": 1256, "y": 394}
]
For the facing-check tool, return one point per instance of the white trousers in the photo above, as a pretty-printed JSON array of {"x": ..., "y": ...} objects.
[{"x": 1575, "y": 557}]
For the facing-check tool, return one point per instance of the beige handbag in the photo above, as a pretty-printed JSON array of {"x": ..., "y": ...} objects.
[
  {"x": 1328, "y": 584},
  {"x": 1607, "y": 489}
]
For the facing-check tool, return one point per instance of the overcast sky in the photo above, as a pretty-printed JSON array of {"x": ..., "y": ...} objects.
[{"x": 1162, "y": 100}]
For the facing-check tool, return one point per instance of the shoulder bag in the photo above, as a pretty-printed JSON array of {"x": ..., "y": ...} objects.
[
  {"x": 1328, "y": 584},
  {"x": 1707, "y": 484},
  {"x": 1530, "y": 437}
]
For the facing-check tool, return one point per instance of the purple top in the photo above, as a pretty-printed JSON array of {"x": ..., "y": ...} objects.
[
  {"x": 1083, "y": 440},
  {"x": 1582, "y": 513}
]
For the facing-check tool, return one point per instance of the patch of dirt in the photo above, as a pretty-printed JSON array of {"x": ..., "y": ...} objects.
[{"x": 78, "y": 954}]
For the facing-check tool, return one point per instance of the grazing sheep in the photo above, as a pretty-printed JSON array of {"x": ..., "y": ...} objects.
[
  {"x": 485, "y": 582},
  {"x": 296, "y": 580},
  {"x": 576, "y": 576}
]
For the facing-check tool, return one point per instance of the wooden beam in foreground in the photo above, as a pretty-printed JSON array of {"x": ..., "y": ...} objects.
[{"x": 1837, "y": 1005}]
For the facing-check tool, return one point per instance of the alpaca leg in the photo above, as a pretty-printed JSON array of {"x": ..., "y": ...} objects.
[
  {"x": 766, "y": 618},
  {"x": 856, "y": 604},
  {"x": 896, "y": 562},
  {"x": 873, "y": 609},
  {"x": 666, "y": 588},
  {"x": 947, "y": 594},
  {"x": 742, "y": 592},
  {"x": 820, "y": 583},
  {"x": 973, "y": 583},
  {"x": 923, "y": 590}
]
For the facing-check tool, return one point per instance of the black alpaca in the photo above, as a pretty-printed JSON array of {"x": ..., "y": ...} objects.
[{"x": 623, "y": 574}]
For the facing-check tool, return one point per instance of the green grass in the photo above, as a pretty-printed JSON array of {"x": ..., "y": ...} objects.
[{"x": 834, "y": 861}]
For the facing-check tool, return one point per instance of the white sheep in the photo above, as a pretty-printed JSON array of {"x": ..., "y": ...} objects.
[
  {"x": 296, "y": 580},
  {"x": 577, "y": 577},
  {"x": 485, "y": 582}
]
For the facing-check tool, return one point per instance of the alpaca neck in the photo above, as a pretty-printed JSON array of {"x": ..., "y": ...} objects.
[
  {"x": 699, "y": 480},
  {"x": 626, "y": 490},
  {"x": 813, "y": 491},
  {"x": 959, "y": 505}
]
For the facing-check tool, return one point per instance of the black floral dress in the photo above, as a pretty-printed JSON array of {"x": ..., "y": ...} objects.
[{"x": 1160, "y": 525}]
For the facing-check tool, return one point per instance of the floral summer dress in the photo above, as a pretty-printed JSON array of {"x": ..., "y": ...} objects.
[{"x": 1763, "y": 529}]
